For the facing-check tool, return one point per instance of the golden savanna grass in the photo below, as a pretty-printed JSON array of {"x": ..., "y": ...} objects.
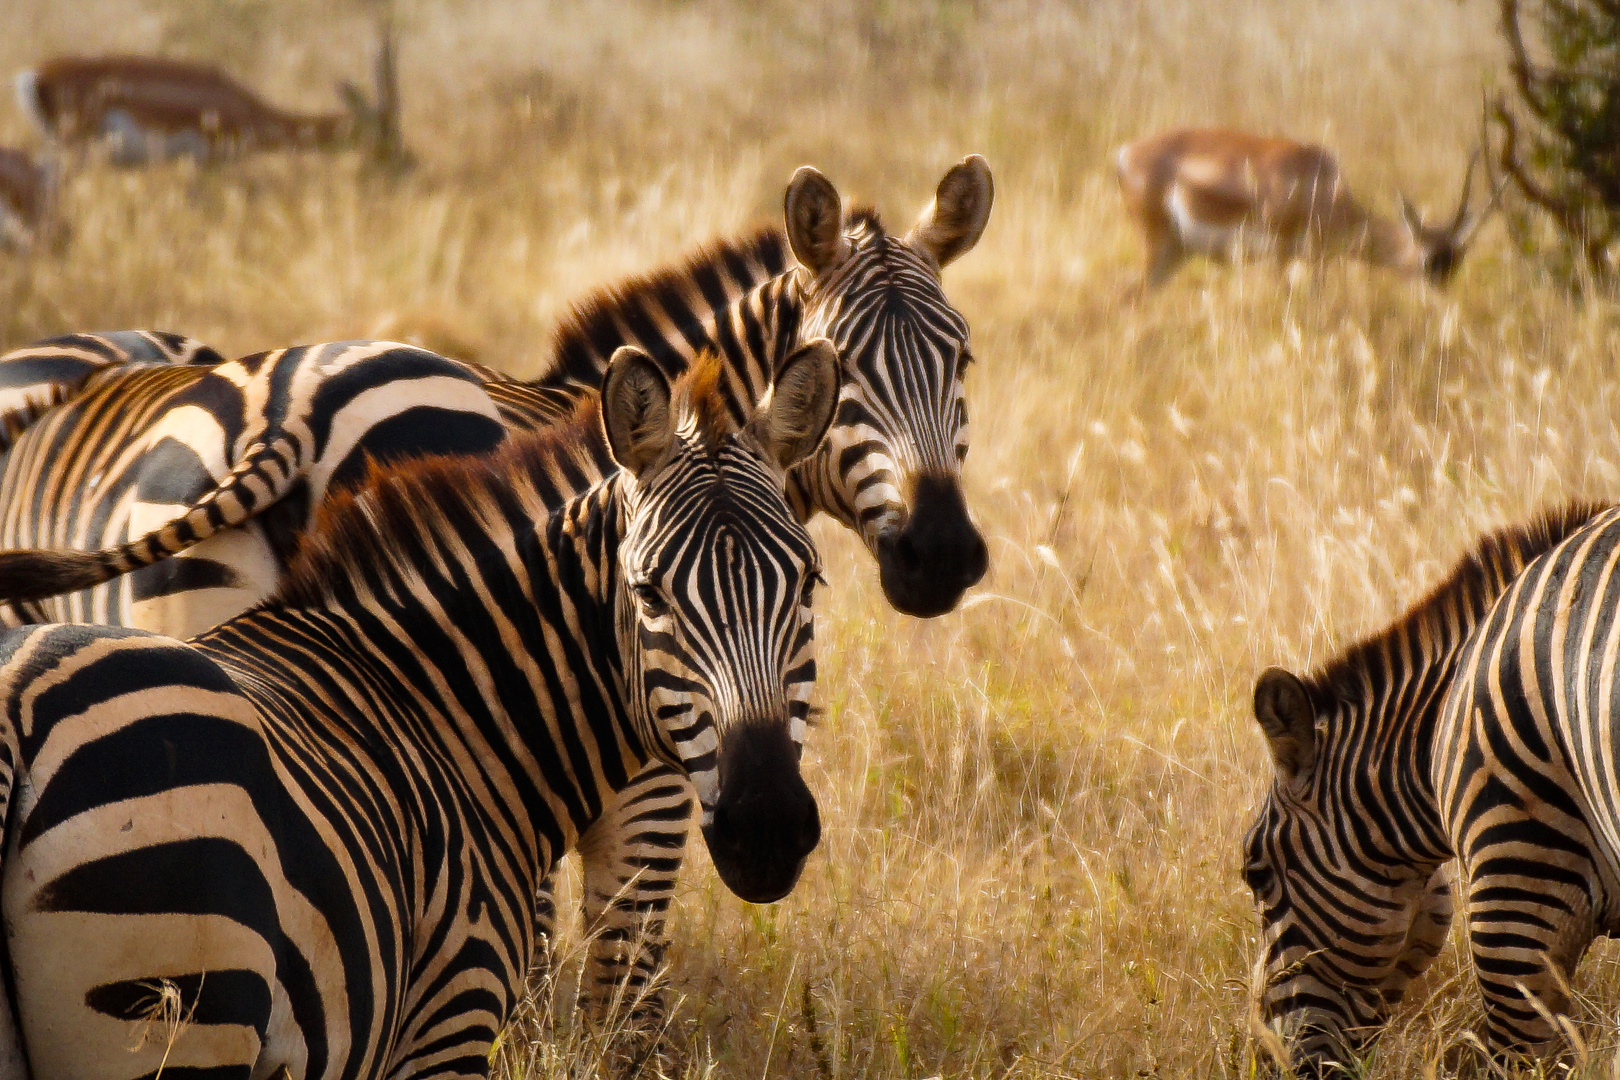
[{"x": 1033, "y": 805}]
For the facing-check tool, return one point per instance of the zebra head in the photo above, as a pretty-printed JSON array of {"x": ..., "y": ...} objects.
[
  {"x": 714, "y": 613},
  {"x": 1349, "y": 913},
  {"x": 891, "y": 467}
]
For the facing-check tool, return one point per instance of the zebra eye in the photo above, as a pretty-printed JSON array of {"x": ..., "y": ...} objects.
[
  {"x": 652, "y": 601},
  {"x": 808, "y": 593},
  {"x": 964, "y": 360},
  {"x": 1258, "y": 876}
]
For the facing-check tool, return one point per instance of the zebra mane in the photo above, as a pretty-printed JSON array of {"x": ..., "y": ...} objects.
[
  {"x": 706, "y": 280},
  {"x": 1459, "y": 600},
  {"x": 394, "y": 516},
  {"x": 700, "y": 400}
]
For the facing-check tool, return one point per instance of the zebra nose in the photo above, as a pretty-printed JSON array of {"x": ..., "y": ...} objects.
[
  {"x": 765, "y": 822},
  {"x": 937, "y": 555}
]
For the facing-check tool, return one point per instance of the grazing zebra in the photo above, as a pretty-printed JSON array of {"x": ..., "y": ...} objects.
[
  {"x": 1473, "y": 739},
  {"x": 889, "y": 468},
  {"x": 313, "y": 835}
]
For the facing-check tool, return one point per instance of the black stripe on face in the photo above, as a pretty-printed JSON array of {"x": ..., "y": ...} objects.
[
  {"x": 890, "y": 466},
  {"x": 715, "y": 538}
]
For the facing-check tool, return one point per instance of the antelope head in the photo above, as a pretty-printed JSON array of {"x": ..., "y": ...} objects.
[{"x": 1437, "y": 250}]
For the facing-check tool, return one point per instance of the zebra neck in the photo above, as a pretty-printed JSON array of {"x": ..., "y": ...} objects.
[
  {"x": 1408, "y": 675},
  {"x": 751, "y": 335},
  {"x": 579, "y": 699},
  {"x": 484, "y": 637}
]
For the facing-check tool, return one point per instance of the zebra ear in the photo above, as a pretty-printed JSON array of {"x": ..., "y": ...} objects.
[
  {"x": 956, "y": 218},
  {"x": 803, "y": 399},
  {"x": 815, "y": 221},
  {"x": 1283, "y": 707},
  {"x": 636, "y": 413}
]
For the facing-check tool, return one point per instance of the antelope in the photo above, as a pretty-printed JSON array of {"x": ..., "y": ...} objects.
[
  {"x": 26, "y": 190},
  {"x": 145, "y": 109},
  {"x": 1227, "y": 194}
]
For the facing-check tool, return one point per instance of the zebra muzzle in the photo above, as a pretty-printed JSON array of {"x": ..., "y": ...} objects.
[
  {"x": 765, "y": 822},
  {"x": 937, "y": 555}
]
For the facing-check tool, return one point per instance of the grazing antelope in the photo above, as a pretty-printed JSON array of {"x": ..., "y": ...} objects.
[
  {"x": 1229, "y": 193},
  {"x": 25, "y": 198},
  {"x": 146, "y": 109}
]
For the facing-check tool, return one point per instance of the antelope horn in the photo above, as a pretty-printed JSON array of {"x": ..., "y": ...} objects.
[
  {"x": 390, "y": 146},
  {"x": 1467, "y": 190},
  {"x": 1414, "y": 220},
  {"x": 1465, "y": 232}
]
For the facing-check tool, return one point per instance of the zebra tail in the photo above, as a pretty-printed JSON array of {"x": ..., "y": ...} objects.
[{"x": 255, "y": 484}]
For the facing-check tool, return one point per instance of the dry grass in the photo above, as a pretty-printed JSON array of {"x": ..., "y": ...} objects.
[{"x": 1032, "y": 805}]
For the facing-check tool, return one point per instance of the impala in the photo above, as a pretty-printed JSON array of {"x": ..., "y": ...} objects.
[
  {"x": 1229, "y": 193},
  {"x": 145, "y": 108},
  {"x": 25, "y": 199}
]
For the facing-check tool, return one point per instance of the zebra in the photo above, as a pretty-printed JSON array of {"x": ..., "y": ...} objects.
[
  {"x": 316, "y": 831},
  {"x": 889, "y": 469},
  {"x": 1469, "y": 742}
]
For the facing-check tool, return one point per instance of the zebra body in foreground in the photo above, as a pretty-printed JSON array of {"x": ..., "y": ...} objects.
[
  {"x": 318, "y": 829},
  {"x": 1475, "y": 738},
  {"x": 890, "y": 469}
]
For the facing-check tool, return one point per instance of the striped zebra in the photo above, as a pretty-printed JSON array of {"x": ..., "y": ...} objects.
[
  {"x": 36, "y": 378},
  {"x": 1471, "y": 741},
  {"x": 889, "y": 469},
  {"x": 307, "y": 843}
]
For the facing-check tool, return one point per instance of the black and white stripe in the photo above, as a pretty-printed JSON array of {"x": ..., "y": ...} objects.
[
  {"x": 1470, "y": 741},
  {"x": 317, "y": 831}
]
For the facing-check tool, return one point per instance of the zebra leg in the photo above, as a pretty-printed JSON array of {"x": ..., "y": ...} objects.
[
  {"x": 1528, "y": 926},
  {"x": 545, "y": 926},
  {"x": 632, "y": 855}
]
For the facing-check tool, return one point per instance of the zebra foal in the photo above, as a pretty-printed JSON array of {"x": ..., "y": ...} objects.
[
  {"x": 1473, "y": 740},
  {"x": 320, "y": 827}
]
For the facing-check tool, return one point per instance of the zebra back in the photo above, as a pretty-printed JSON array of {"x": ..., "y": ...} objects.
[
  {"x": 38, "y": 377},
  {"x": 208, "y": 449}
]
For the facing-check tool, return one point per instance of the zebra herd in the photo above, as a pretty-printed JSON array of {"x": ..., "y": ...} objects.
[
  {"x": 322, "y": 658},
  {"x": 441, "y": 628}
]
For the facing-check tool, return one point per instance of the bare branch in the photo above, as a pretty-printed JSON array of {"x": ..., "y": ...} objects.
[{"x": 1519, "y": 65}]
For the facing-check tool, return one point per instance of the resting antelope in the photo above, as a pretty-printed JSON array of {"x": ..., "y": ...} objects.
[
  {"x": 25, "y": 199},
  {"x": 146, "y": 108},
  {"x": 1229, "y": 193}
]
